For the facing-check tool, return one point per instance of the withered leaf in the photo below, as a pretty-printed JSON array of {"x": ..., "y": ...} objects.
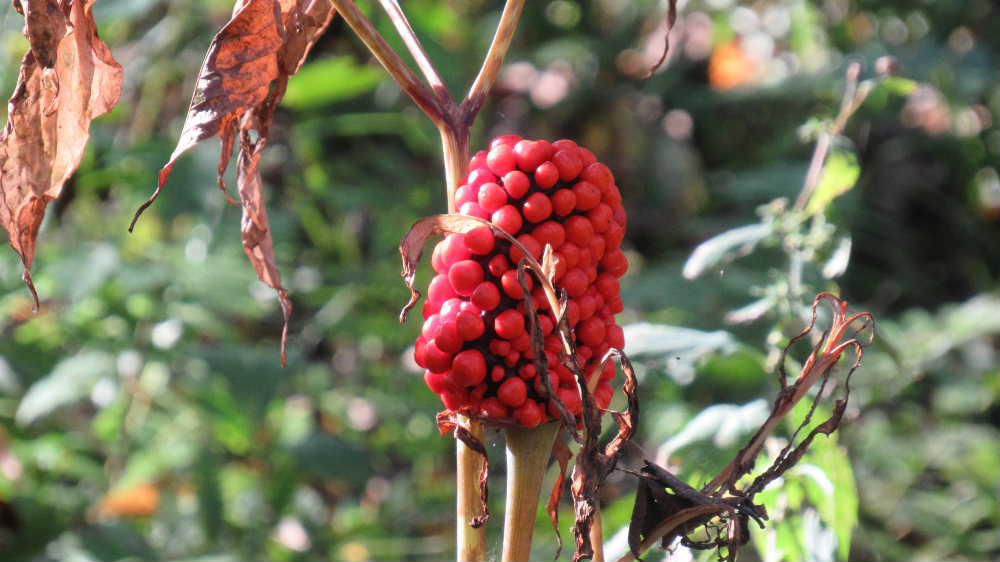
[
  {"x": 723, "y": 507},
  {"x": 241, "y": 83},
  {"x": 67, "y": 78}
]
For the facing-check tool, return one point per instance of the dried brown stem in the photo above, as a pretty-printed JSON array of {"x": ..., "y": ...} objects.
[
  {"x": 480, "y": 89},
  {"x": 418, "y": 91}
]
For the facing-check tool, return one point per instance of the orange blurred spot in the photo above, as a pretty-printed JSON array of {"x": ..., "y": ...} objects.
[
  {"x": 730, "y": 66},
  {"x": 141, "y": 500}
]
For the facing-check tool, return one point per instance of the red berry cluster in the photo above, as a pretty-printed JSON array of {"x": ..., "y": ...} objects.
[{"x": 475, "y": 344}]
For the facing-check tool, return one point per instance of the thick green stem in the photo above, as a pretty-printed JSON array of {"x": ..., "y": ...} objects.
[{"x": 528, "y": 452}]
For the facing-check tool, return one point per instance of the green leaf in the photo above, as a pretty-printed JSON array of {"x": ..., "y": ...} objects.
[
  {"x": 330, "y": 80},
  {"x": 71, "y": 380},
  {"x": 831, "y": 488},
  {"x": 839, "y": 176}
]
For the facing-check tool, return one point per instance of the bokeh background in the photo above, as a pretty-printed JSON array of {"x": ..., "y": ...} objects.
[{"x": 143, "y": 411}]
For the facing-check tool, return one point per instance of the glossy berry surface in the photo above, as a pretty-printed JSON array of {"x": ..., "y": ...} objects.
[{"x": 475, "y": 344}]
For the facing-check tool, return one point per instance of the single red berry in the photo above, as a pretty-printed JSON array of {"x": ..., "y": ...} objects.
[
  {"x": 486, "y": 296},
  {"x": 494, "y": 409},
  {"x": 615, "y": 336},
  {"x": 530, "y": 154},
  {"x": 470, "y": 326},
  {"x": 513, "y": 392},
  {"x": 600, "y": 216},
  {"x": 530, "y": 414},
  {"x": 501, "y": 159},
  {"x": 516, "y": 184},
  {"x": 538, "y": 207},
  {"x": 551, "y": 233},
  {"x": 591, "y": 331},
  {"x": 615, "y": 263},
  {"x": 454, "y": 399},
  {"x": 546, "y": 175},
  {"x": 575, "y": 283},
  {"x": 579, "y": 230},
  {"x": 563, "y": 202},
  {"x": 469, "y": 368},
  {"x": 440, "y": 289},
  {"x": 512, "y": 286},
  {"x": 530, "y": 243},
  {"x": 508, "y": 218},
  {"x": 498, "y": 264},
  {"x": 479, "y": 176},
  {"x": 472, "y": 209},
  {"x": 571, "y": 399},
  {"x": 437, "y": 360},
  {"x": 480, "y": 241},
  {"x": 599, "y": 175},
  {"x": 437, "y": 382},
  {"x": 587, "y": 195},
  {"x": 465, "y": 276},
  {"x": 448, "y": 338},
  {"x": 510, "y": 140},
  {"x": 569, "y": 164},
  {"x": 509, "y": 324},
  {"x": 492, "y": 197},
  {"x": 603, "y": 395}
]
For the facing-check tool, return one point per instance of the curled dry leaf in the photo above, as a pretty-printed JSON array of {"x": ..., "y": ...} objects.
[
  {"x": 667, "y": 508},
  {"x": 67, "y": 78},
  {"x": 671, "y": 19},
  {"x": 241, "y": 83}
]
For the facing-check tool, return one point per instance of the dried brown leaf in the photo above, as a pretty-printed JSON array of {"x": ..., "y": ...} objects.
[
  {"x": 240, "y": 85},
  {"x": 448, "y": 423},
  {"x": 667, "y": 508},
  {"x": 67, "y": 78}
]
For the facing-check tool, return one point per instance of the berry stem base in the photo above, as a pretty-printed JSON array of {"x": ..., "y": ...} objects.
[
  {"x": 528, "y": 452},
  {"x": 470, "y": 542}
]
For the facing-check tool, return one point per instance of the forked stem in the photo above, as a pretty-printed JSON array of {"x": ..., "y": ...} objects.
[{"x": 528, "y": 452}]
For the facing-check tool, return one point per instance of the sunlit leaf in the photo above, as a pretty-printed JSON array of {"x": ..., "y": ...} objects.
[
  {"x": 725, "y": 247},
  {"x": 71, "y": 380},
  {"x": 839, "y": 176}
]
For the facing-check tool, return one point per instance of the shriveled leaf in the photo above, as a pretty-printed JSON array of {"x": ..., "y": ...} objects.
[
  {"x": 840, "y": 173},
  {"x": 242, "y": 81},
  {"x": 71, "y": 380},
  {"x": 725, "y": 247},
  {"x": 67, "y": 78}
]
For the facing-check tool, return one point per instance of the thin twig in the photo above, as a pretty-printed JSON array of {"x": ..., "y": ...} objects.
[
  {"x": 405, "y": 30},
  {"x": 476, "y": 97},
  {"x": 400, "y": 72},
  {"x": 851, "y": 101}
]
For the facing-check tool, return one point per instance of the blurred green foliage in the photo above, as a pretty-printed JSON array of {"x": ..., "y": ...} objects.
[{"x": 143, "y": 411}]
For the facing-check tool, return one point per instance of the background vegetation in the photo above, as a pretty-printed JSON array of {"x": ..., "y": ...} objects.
[{"x": 143, "y": 411}]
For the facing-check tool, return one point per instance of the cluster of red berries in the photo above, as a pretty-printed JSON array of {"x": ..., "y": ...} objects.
[{"x": 475, "y": 343}]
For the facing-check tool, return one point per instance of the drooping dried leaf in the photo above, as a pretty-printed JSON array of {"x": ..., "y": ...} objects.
[
  {"x": 667, "y": 508},
  {"x": 241, "y": 83},
  {"x": 67, "y": 78},
  {"x": 562, "y": 454}
]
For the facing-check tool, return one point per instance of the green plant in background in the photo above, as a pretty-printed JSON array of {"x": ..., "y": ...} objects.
[{"x": 322, "y": 460}]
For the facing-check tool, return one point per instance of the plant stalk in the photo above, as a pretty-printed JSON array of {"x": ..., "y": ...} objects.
[
  {"x": 528, "y": 452},
  {"x": 470, "y": 542}
]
